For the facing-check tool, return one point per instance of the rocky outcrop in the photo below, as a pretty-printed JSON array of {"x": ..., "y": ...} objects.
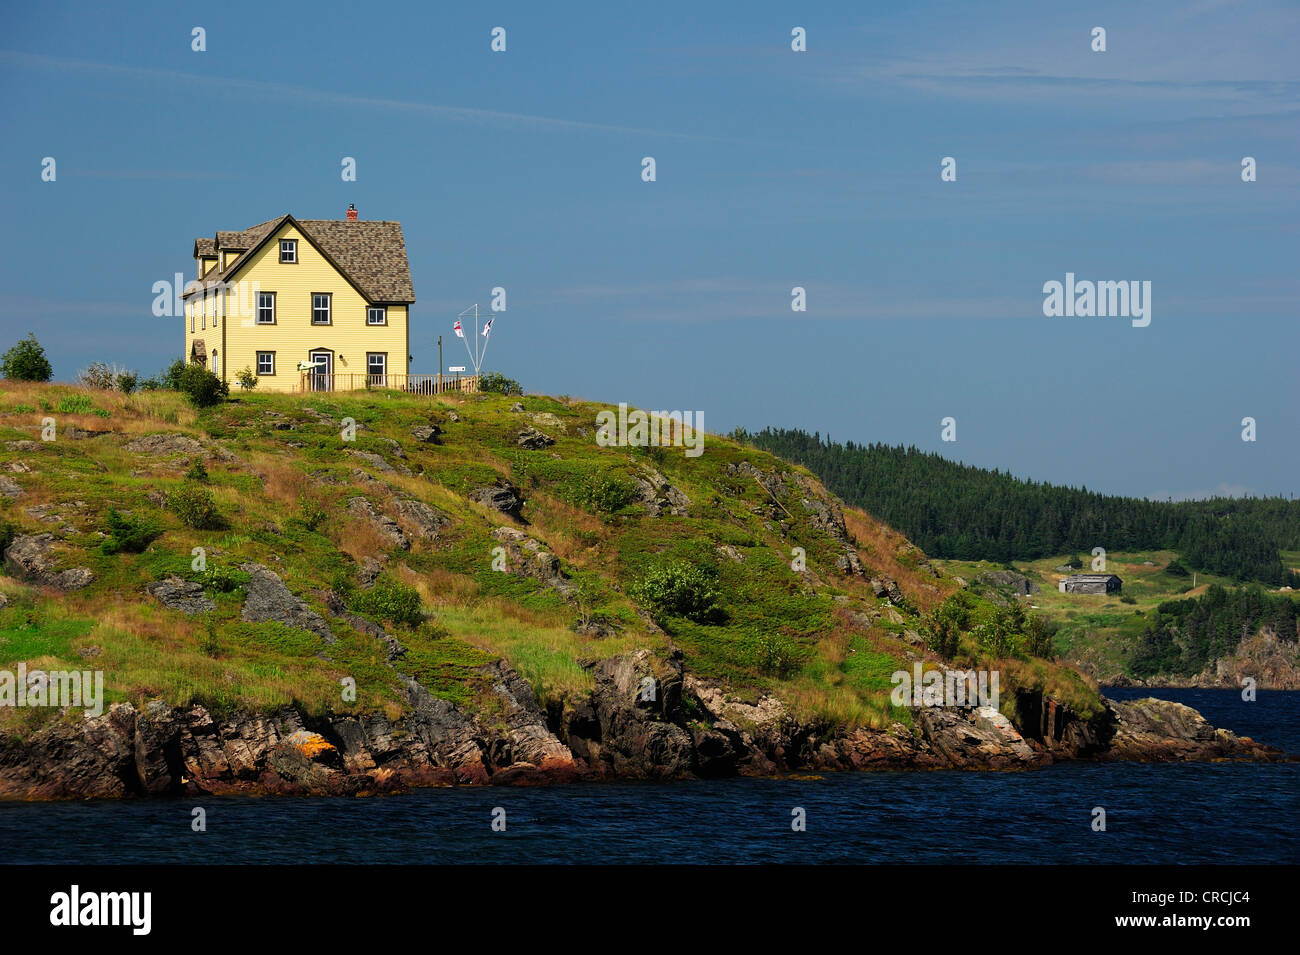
[
  {"x": 501, "y": 496},
  {"x": 175, "y": 593},
  {"x": 427, "y": 433},
  {"x": 10, "y": 488},
  {"x": 526, "y": 557},
  {"x": 1011, "y": 580},
  {"x": 158, "y": 444},
  {"x": 28, "y": 557},
  {"x": 530, "y": 439},
  {"x": 384, "y": 525},
  {"x": 659, "y": 496},
  {"x": 426, "y": 522},
  {"x": 267, "y": 598},
  {"x": 645, "y": 718}
]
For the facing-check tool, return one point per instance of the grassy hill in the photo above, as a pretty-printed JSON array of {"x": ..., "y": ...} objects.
[{"x": 283, "y": 487}]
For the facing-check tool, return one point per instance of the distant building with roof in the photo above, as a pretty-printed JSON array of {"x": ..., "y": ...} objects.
[{"x": 1090, "y": 584}]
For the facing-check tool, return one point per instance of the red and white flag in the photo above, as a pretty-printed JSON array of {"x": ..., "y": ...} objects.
[
  {"x": 487, "y": 328},
  {"x": 458, "y": 330}
]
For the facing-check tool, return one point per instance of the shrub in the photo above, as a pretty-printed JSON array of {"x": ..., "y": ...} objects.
[
  {"x": 390, "y": 601},
  {"x": 99, "y": 376},
  {"x": 496, "y": 383},
  {"x": 310, "y": 513},
  {"x": 24, "y": 409},
  {"x": 1127, "y": 599},
  {"x": 201, "y": 386},
  {"x": 129, "y": 533},
  {"x": 208, "y": 642},
  {"x": 7, "y": 534},
  {"x": 776, "y": 655},
  {"x": 679, "y": 589},
  {"x": 26, "y": 361},
  {"x": 127, "y": 381},
  {"x": 221, "y": 579},
  {"x": 1175, "y": 569},
  {"x": 75, "y": 404},
  {"x": 610, "y": 492},
  {"x": 197, "y": 473},
  {"x": 247, "y": 380},
  {"x": 194, "y": 505}
]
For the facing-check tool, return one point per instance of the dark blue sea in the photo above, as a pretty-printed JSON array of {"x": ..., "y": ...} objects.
[{"x": 1179, "y": 814}]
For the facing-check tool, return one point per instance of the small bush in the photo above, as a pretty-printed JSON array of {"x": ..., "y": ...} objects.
[
  {"x": 193, "y": 504},
  {"x": 610, "y": 492},
  {"x": 390, "y": 601},
  {"x": 197, "y": 472},
  {"x": 496, "y": 383},
  {"x": 776, "y": 655},
  {"x": 7, "y": 534},
  {"x": 1175, "y": 569},
  {"x": 678, "y": 589},
  {"x": 202, "y": 387},
  {"x": 127, "y": 381},
  {"x": 208, "y": 642},
  {"x": 128, "y": 533},
  {"x": 24, "y": 409},
  {"x": 247, "y": 380},
  {"x": 75, "y": 404},
  {"x": 221, "y": 578},
  {"x": 310, "y": 513},
  {"x": 1126, "y": 599},
  {"x": 99, "y": 376},
  {"x": 26, "y": 361}
]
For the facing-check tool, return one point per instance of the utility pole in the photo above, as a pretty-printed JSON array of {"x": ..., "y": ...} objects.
[{"x": 438, "y": 387}]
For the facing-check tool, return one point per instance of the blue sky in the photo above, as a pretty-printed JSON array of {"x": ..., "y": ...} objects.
[{"x": 819, "y": 169}]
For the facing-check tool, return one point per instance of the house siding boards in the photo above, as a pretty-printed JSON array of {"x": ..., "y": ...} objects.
[
  {"x": 1090, "y": 584},
  {"x": 293, "y": 336}
]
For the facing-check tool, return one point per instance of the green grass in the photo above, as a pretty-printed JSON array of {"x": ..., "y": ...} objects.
[{"x": 777, "y": 631}]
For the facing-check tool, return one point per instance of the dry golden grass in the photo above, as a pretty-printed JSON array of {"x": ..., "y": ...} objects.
[
  {"x": 878, "y": 544},
  {"x": 357, "y": 538}
]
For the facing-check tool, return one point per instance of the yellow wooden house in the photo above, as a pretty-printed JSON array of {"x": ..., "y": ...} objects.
[{"x": 310, "y": 304}]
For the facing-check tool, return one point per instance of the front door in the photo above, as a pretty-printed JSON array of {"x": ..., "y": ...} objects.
[{"x": 322, "y": 376}]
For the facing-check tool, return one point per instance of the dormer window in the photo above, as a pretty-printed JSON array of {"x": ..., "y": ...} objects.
[{"x": 289, "y": 251}]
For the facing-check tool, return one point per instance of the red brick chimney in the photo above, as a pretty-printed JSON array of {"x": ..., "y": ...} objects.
[{"x": 352, "y": 212}]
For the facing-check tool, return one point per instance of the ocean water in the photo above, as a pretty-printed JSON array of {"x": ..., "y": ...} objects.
[{"x": 1183, "y": 813}]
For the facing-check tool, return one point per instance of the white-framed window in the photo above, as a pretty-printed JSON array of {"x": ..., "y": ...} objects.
[
  {"x": 266, "y": 363},
  {"x": 289, "y": 251},
  {"x": 266, "y": 308},
  {"x": 377, "y": 367},
  {"x": 377, "y": 315},
  {"x": 320, "y": 308},
  {"x": 193, "y": 305},
  {"x": 218, "y": 306}
]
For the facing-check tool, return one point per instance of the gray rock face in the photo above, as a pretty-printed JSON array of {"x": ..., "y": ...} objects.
[
  {"x": 525, "y": 557},
  {"x": 530, "y": 439},
  {"x": 428, "y": 522},
  {"x": 268, "y": 599},
  {"x": 501, "y": 496},
  {"x": 374, "y": 460},
  {"x": 382, "y": 523},
  {"x": 164, "y": 444},
  {"x": 368, "y": 572},
  {"x": 10, "y": 488},
  {"x": 659, "y": 496},
  {"x": 427, "y": 433},
  {"x": 176, "y": 593},
  {"x": 1018, "y": 583},
  {"x": 28, "y": 556}
]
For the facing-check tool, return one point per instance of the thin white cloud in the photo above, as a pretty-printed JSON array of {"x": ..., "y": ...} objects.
[{"x": 262, "y": 89}]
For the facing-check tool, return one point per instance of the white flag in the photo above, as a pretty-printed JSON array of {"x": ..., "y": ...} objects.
[
  {"x": 487, "y": 328},
  {"x": 458, "y": 330}
]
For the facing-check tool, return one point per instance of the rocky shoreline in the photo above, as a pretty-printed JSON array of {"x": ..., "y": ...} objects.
[{"x": 646, "y": 718}]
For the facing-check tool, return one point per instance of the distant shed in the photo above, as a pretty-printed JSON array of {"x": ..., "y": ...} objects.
[{"x": 1091, "y": 584}]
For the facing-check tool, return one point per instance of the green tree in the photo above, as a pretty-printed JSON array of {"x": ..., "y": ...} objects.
[{"x": 26, "y": 361}]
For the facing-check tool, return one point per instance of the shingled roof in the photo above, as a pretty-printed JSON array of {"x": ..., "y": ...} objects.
[{"x": 370, "y": 254}]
